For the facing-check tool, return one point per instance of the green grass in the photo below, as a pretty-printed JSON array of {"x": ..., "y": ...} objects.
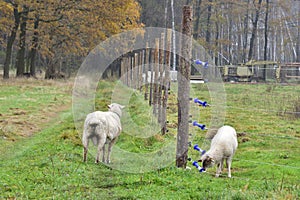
[
  {"x": 48, "y": 165},
  {"x": 27, "y": 104}
]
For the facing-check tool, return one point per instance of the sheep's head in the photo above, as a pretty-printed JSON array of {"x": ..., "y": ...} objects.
[
  {"x": 116, "y": 108},
  {"x": 207, "y": 161}
]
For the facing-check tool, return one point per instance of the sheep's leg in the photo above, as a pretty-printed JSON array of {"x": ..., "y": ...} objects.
[
  {"x": 85, "y": 142},
  {"x": 110, "y": 144},
  {"x": 103, "y": 153},
  {"x": 228, "y": 163},
  {"x": 219, "y": 168},
  {"x": 100, "y": 148}
]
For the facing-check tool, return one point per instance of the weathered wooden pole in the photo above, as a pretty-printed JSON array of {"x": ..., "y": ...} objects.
[
  {"x": 123, "y": 70},
  {"x": 166, "y": 82},
  {"x": 126, "y": 70},
  {"x": 156, "y": 67},
  {"x": 151, "y": 76},
  {"x": 136, "y": 71},
  {"x": 138, "y": 64},
  {"x": 141, "y": 69},
  {"x": 125, "y": 60},
  {"x": 161, "y": 77},
  {"x": 183, "y": 77},
  {"x": 130, "y": 71},
  {"x": 147, "y": 54}
]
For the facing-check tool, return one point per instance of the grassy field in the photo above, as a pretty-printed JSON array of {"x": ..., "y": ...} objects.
[{"x": 41, "y": 152}]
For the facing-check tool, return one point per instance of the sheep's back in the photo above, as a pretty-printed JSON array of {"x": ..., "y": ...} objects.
[
  {"x": 111, "y": 121},
  {"x": 114, "y": 125},
  {"x": 225, "y": 141}
]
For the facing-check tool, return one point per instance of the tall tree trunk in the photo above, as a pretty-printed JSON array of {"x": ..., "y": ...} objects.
[
  {"x": 183, "y": 77},
  {"x": 254, "y": 30},
  {"x": 298, "y": 34},
  {"x": 197, "y": 14},
  {"x": 280, "y": 51},
  {"x": 245, "y": 43},
  {"x": 229, "y": 35},
  {"x": 217, "y": 41},
  {"x": 166, "y": 13},
  {"x": 10, "y": 42},
  {"x": 266, "y": 38},
  {"x": 274, "y": 36},
  {"x": 51, "y": 69},
  {"x": 298, "y": 42},
  {"x": 173, "y": 35},
  {"x": 20, "y": 60},
  {"x": 33, "y": 50},
  {"x": 208, "y": 30},
  {"x": 241, "y": 42}
]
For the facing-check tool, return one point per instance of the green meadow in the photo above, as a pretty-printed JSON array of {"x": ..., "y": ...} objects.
[{"x": 41, "y": 152}]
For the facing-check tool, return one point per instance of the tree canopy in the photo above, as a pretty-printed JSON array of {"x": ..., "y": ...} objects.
[{"x": 56, "y": 29}]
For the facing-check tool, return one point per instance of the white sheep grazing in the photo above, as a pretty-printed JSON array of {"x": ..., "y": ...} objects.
[
  {"x": 223, "y": 147},
  {"x": 102, "y": 128}
]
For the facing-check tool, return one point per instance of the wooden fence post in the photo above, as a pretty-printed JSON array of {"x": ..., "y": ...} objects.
[
  {"x": 161, "y": 76},
  {"x": 123, "y": 72},
  {"x": 166, "y": 82},
  {"x": 130, "y": 62},
  {"x": 183, "y": 77},
  {"x": 141, "y": 66},
  {"x": 146, "y": 71},
  {"x": 135, "y": 71},
  {"x": 151, "y": 77},
  {"x": 156, "y": 67}
]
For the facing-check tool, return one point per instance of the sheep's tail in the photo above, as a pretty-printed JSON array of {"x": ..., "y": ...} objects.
[
  {"x": 94, "y": 122},
  {"x": 99, "y": 127}
]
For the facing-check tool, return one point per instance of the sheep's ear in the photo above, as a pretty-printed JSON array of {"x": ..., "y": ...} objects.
[
  {"x": 210, "y": 160},
  {"x": 122, "y": 106}
]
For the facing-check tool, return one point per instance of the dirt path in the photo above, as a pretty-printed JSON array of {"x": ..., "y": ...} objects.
[{"x": 29, "y": 105}]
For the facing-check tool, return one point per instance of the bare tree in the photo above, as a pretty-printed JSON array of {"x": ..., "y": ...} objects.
[
  {"x": 197, "y": 22},
  {"x": 33, "y": 51},
  {"x": 266, "y": 38},
  {"x": 20, "y": 60},
  {"x": 254, "y": 30},
  {"x": 208, "y": 22},
  {"x": 246, "y": 27},
  {"x": 10, "y": 41}
]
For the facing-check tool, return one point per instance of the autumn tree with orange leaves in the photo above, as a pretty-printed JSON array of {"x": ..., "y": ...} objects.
[{"x": 58, "y": 29}]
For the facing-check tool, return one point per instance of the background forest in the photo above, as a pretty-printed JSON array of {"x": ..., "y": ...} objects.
[{"x": 55, "y": 36}]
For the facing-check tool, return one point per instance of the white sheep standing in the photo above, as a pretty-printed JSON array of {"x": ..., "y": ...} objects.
[
  {"x": 102, "y": 128},
  {"x": 223, "y": 147}
]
